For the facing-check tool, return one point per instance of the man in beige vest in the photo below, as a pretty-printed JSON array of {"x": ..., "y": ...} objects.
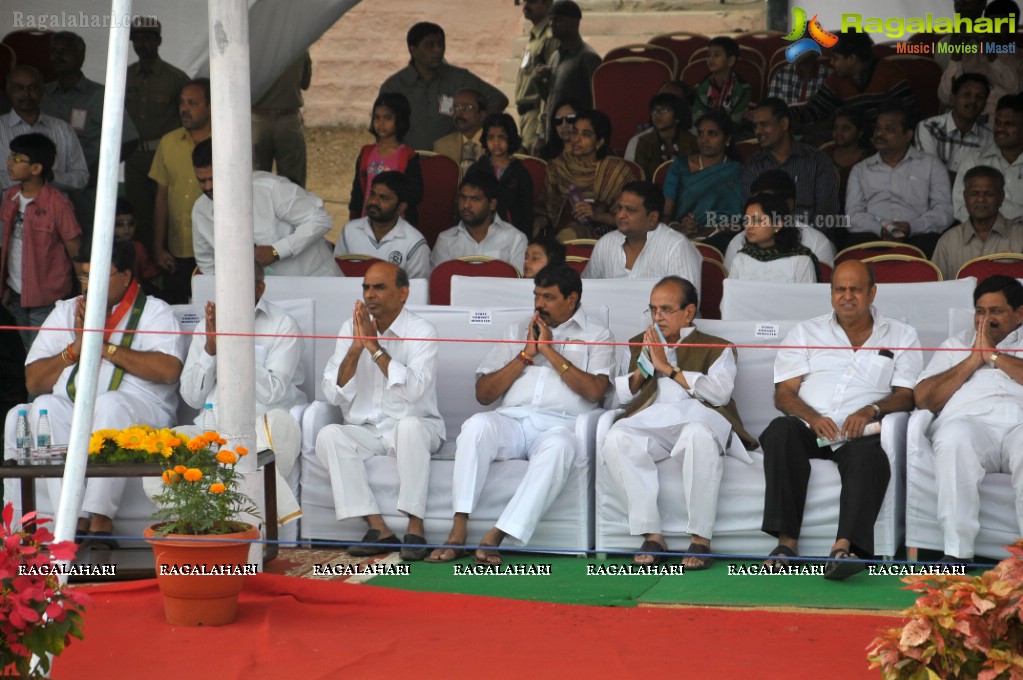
[{"x": 677, "y": 391}]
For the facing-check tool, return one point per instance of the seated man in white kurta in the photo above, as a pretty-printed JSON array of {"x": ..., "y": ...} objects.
[
  {"x": 978, "y": 399},
  {"x": 386, "y": 387},
  {"x": 643, "y": 247},
  {"x": 543, "y": 387},
  {"x": 138, "y": 377},
  {"x": 683, "y": 409},
  {"x": 277, "y": 380},
  {"x": 289, "y": 223}
]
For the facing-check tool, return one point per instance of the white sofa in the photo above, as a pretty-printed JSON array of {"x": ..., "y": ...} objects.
[
  {"x": 568, "y": 524},
  {"x": 741, "y": 498}
]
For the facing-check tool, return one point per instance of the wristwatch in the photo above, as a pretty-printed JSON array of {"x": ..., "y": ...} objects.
[
  {"x": 993, "y": 359},
  {"x": 674, "y": 371},
  {"x": 877, "y": 410},
  {"x": 377, "y": 354},
  {"x": 277, "y": 256},
  {"x": 111, "y": 348}
]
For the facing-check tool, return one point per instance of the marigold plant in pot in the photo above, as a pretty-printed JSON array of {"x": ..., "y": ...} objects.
[
  {"x": 959, "y": 627},
  {"x": 38, "y": 615},
  {"x": 200, "y": 549}
]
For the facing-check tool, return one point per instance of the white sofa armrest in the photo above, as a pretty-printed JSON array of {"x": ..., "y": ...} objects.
[
  {"x": 893, "y": 437},
  {"x": 316, "y": 416},
  {"x": 586, "y": 432}
]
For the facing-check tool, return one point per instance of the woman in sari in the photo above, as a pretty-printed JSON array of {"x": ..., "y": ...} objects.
[
  {"x": 703, "y": 192},
  {"x": 582, "y": 186}
]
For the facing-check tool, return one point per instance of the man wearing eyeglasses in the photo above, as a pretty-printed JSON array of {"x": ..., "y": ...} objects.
[
  {"x": 138, "y": 376},
  {"x": 677, "y": 391},
  {"x": 464, "y": 146}
]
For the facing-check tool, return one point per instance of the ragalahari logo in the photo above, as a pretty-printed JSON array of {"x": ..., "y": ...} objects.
[{"x": 818, "y": 36}]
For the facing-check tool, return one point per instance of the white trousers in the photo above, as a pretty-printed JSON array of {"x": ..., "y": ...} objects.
[
  {"x": 490, "y": 436},
  {"x": 344, "y": 450},
  {"x": 965, "y": 449},
  {"x": 114, "y": 410},
  {"x": 631, "y": 453}
]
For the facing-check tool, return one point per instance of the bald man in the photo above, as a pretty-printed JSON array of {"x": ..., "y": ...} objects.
[
  {"x": 387, "y": 389},
  {"x": 834, "y": 394}
]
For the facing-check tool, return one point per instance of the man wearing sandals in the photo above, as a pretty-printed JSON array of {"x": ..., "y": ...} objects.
[
  {"x": 678, "y": 404},
  {"x": 387, "y": 389},
  {"x": 834, "y": 394},
  {"x": 544, "y": 385}
]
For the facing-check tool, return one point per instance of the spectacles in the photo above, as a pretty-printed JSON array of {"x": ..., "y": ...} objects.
[
  {"x": 463, "y": 107},
  {"x": 664, "y": 311},
  {"x": 564, "y": 120},
  {"x": 19, "y": 158}
]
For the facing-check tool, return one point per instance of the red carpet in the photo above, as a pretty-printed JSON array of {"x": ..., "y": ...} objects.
[{"x": 301, "y": 628}]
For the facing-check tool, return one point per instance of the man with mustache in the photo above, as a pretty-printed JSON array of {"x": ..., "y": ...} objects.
[
  {"x": 543, "y": 385},
  {"x": 978, "y": 399},
  {"x": 951, "y": 135},
  {"x": 481, "y": 231},
  {"x": 1004, "y": 153},
  {"x": 464, "y": 145}
]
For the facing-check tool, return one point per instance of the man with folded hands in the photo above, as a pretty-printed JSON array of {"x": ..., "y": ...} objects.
[
  {"x": 386, "y": 387},
  {"x": 679, "y": 404},
  {"x": 561, "y": 372},
  {"x": 835, "y": 376},
  {"x": 978, "y": 399}
]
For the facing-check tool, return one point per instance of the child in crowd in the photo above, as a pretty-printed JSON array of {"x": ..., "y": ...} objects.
[
  {"x": 850, "y": 147},
  {"x": 772, "y": 251},
  {"x": 541, "y": 252},
  {"x": 124, "y": 230},
  {"x": 40, "y": 236},
  {"x": 390, "y": 122},
  {"x": 723, "y": 89},
  {"x": 515, "y": 194}
]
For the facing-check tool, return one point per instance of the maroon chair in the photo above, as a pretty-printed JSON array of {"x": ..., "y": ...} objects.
[
  {"x": 767, "y": 43},
  {"x": 537, "y": 169},
  {"x": 712, "y": 288},
  {"x": 441, "y": 176},
  {"x": 577, "y": 263},
  {"x": 641, "y": 78},
  {"x": 661, "y": 174},
  {"x": 682, "y": 44},
  {"x": 355, "y": 265},
  {"x": 924, "y": 75},
  {"x": 580, "y": 247},
  {"x": 874, "y": 248},
  {"x": 826, "y": 272},
  {"x": 32, "y": 48},
  {"x": 709, "y": 252},
  {"x": 645, "y": 50},
  {"x": 440, "y": 277},
  {"x": 1007, "y": 264},
  {"x": 903, "y": 269}
]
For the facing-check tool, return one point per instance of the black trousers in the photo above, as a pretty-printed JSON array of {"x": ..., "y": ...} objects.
[
  {"x": 788, "y": 447},
  {"x": 177, "y": 285}
]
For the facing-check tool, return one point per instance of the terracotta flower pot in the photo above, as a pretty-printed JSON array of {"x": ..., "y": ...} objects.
[{"x": 201, "y": 599}]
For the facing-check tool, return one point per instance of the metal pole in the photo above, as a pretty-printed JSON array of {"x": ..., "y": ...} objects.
[
  {"x": 233, "y": 232},
  {"x": 99, "y": 270}
]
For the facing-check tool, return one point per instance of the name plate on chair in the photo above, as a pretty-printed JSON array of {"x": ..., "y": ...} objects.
[
  {"x": 480, "y": 319},
  {"x": 766, "y": 330}
]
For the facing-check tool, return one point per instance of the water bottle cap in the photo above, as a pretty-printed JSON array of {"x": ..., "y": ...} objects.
[
  {"x": 42, "y": 412},
  {"x": 209, "y": 404},
  {"x": 22, "y": 412}
]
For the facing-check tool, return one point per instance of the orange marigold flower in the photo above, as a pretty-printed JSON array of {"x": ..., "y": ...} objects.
[
  {"x": 226, "y": 457},
  {"x": 217, "y": 488},
  {"x": 241, "y": 450},
  {"x": 180, "y": 469},
  {"x": 193, "y": 475},
  {"x": 169, "y": 476},
  {"x": 196, "y": 444}
]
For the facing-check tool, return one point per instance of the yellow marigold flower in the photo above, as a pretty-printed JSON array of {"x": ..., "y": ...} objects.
[
  {"x": 241, "y": 450},
  {"x": 96, "y": 442},
  {"x": 180, "y": 469},
  {"x": 226, "y": 457},
  {"x": 193, "y": 475},
  {"x": 131, "y": 438},
  {"x": 217, "y": 488}
]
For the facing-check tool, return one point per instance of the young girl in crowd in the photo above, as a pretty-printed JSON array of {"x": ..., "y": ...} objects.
[
  {"x": 772, "y": 251},
  {"x": 389, "y": 124},
  {"x": 541, "y": 252},
  {"x": 515, "y": 193},
  {"x": 851, "y": 147}
]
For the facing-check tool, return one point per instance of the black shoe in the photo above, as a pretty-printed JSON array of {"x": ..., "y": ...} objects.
[
  {"x": 372, "y": 544},
  {"x": 952, "y": 559},
  {"x": 409, "y": 551}
]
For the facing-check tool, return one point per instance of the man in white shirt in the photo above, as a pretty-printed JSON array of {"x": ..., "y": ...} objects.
[
  {"x": 682, "y": 408},
  {"x": 900, "y": 193},
  {"x": 387, "y": 389},
  {"x": 138, "y": 377},
  {"x": 978, "y": 399},
  {"x": 289, "y": 223},
  {"x": 382, "y": 233},
  {"x": 25, "y": 88},
  {"x": 951, "y": 135},
  {"x": 481, "y": 231},
  {"x": 278, "y": 378},
  {"x": 543, "y": 385},
  {"x": 643, "y": 247},
  {"x": 835, "y": 394},
  {"x": 1004, "y": 153}
]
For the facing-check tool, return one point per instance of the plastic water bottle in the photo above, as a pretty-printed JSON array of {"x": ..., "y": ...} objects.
[
  {"x": 209, "y": 421},
  {"x": 43, "y": 436},
  {"x": 24, "y": 437},
  {"x": 575, "y": 197}
]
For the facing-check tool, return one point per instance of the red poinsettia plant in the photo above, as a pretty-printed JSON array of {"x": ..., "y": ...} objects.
[
  {"x": 38, "y": 616},
  {"x": 960, "y": 627}
]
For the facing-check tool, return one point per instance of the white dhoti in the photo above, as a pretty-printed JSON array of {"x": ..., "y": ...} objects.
[
  {"x": 490, "y": 436},
  {"x": 345, "y": 448},
  {"x": 114, "y": 410},
  {"x": 965, "y": 449},
  {"x": 689, "y": 433}
]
